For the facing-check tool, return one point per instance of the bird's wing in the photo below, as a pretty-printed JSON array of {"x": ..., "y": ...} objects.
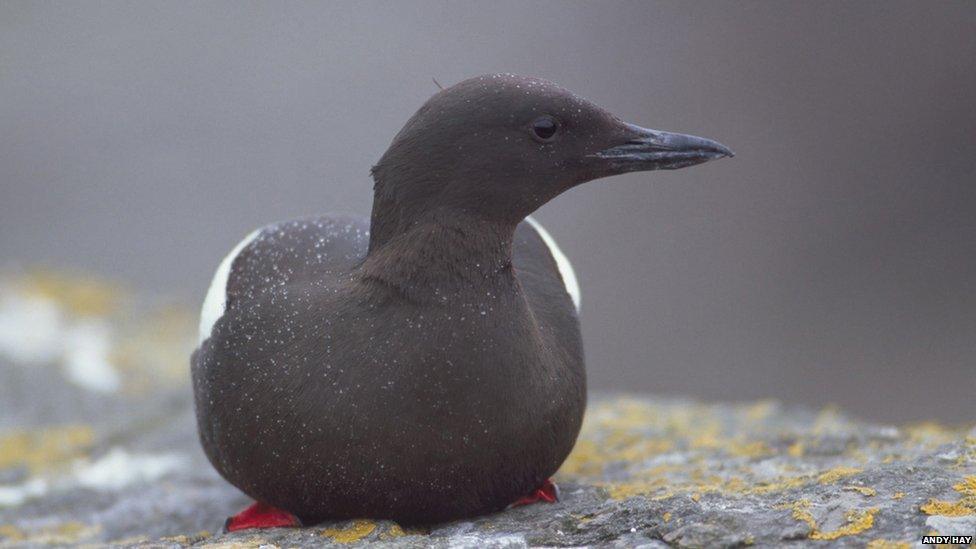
[
  {"x": 542, "y": 265},
  {"x": 280, "y": 255}
]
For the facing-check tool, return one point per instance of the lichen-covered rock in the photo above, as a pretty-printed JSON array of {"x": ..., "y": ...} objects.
[{"x": 98, "y": 445}]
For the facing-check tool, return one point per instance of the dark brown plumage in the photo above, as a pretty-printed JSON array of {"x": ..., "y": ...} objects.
[{"x": 424, "y": 365}]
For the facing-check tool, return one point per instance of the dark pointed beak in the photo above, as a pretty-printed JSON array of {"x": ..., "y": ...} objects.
[{"x": 656, "y": 150}]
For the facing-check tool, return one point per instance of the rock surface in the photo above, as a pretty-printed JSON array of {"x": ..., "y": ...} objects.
[{"x": 98, "y": 446}]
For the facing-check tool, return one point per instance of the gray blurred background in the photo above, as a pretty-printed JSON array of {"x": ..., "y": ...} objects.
[{"x": 832, "y": 261}]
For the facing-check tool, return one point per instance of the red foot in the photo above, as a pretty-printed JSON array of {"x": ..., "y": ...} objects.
[
  {"x": 260, "y": 515},
  {"x": 548, "y": 493}
]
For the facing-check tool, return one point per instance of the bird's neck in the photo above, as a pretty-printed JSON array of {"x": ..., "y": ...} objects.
[{"x": 438, "y": 250}]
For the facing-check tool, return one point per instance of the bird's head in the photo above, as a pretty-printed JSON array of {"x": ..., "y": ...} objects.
[{"x": 501, "y": 146}]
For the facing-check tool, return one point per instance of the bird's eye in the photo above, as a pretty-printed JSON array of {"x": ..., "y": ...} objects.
[{"x": 544, "y": 128}]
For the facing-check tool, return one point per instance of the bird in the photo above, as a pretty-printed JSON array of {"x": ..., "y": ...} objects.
[{"x": 424, "y": 364}]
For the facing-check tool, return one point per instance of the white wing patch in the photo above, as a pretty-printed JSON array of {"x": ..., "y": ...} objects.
[
  {"x": 216, "y": 300},
  {"x": 565, "y": 267}
]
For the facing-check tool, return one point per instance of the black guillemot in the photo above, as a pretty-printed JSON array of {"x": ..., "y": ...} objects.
[{"x": 425, "y": 364}]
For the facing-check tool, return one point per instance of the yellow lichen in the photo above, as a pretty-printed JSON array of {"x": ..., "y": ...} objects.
[
  {"x": 584, "y": 460},
  {"x": 394, "y": 531},
  {"x": 75, "y": 530},
  {"x": 969, "y": 456},
  {"x": 708, "y": 437},
  {"x": 760, "y": 410},
  {"x": 397, "y": 531},
  {"x": 667, "y": 516},
  {"x": 749, "y": 449},
  {"x": 898, "y": 495},
  {"x": 66, "y": 533},
  {"x": 81, "y": 295},
  {"x": 617, "y": 432},
  {"x": 858, "y": 520},
  {"x": 801, "y": 512},
  {"x": 930, "y": 434},
  {"x": 620, "y": 440},
  {"x": 946, "y": 508},
  {"x": 964, "y": 507},
  {"x": 626, "y": 490},
  {"x": 630, "y": 433},
  {"x": 356, "y": 531},
  {"x": 186, "y": 540},
  {"x": 154, "y": 351},
  {"x": 657, "y": 484},
  {"x": 796, "y": 449},
  {"x": 967, "y": 487},
  {"x": 829, "y": 420},
  {"x": 44, "y": 449},
  {"x": 833, "y": 475},
  {"x": 11, "y": 533},
  {"x": 780, "y": 485},
  {"x": 863, "y": 490}
]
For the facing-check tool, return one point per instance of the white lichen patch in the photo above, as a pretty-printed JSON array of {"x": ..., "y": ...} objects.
[
  {"x": 119, "y": 468},
  {"x": 30, "y": 328},
  {"x": 14, "y": 495},
  {"x": 86, "y": 362},
  {"x": 35, "y": 329},
  {"x": 114, "y": 471}
]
